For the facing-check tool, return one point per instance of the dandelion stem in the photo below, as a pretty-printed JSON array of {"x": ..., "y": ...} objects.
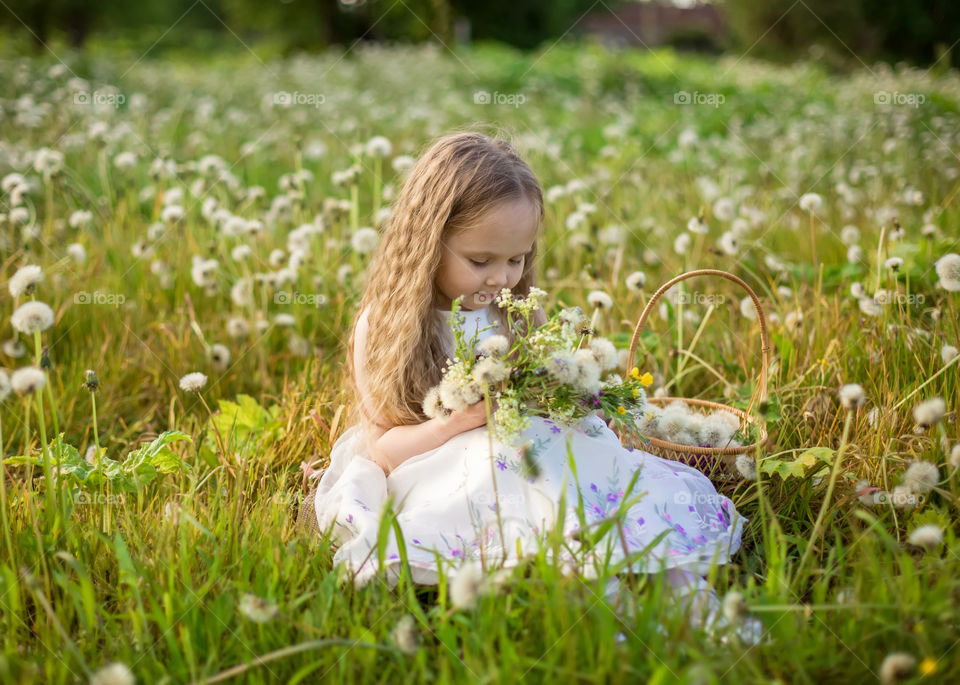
[
  {"x": 51, "y": 492},
  {"x": 289, "y": 651},
  {"x": 818, "y": 524},
  {"x": 883, "y": 232},
  {"x": 3, "y": 502},
  {"x": 377, "y": 176},
  {"x": 493, "y": 469}
]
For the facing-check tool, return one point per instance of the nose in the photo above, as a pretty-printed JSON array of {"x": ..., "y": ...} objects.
[{"x": 498, "y": 279}]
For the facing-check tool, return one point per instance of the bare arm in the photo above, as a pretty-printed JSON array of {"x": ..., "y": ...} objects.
[
  {"x": 400, "y": 443},
  {"x": 389, "y": 446}
]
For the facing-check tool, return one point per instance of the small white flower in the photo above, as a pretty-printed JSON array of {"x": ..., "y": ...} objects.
[
  {"x": 810, "y": 202},
  {"x": 852, "y": 396},
  {"x": 894, "y": 263},
  {"x": 113, "y": 674},
  {"x": 928, "y": 536},
  {"x": 284, "y": 320},
  {"x": 948, "y": 269},
  {"x": 257, "y": 609},
  {"x": 682, "y": 243},
  {"x": 857, "y": 291},
  {"x": 598, "y": 298},
  {"x": 854, "y": 254},
  {"x": 32, "y": 317},
  {"x": 193, "y": 382},
  {"x": 747, "y": 310},
  {"x": 929, "y": 412},
  {"x": 24, "y": 281},
  {"x": 28, "y": 379}
]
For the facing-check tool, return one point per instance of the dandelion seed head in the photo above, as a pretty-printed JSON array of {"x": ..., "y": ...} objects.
[
  {"x": 635, "y": 281},
  {"x": 921, "y": 476},
  {"x": 27, "y": 379},
  {"x": 493, "y": 346},
  {"x": 193, "y": 382},
  {"x": 948, "y": 269},
  {"x": 32, "y": 317},
  {"x": 404, "y": 635},
  {"x": 852, "y": 396},
  {"x": 604, "y": 352},
  {"x": 113, "y": 674},
  {"x": 598, "y": 298},
  {"x": 734, "y": 607},
  {"x": 257, "y": 609},
  {"x": 948, "y": 353},
  {"x": 895, "y": 667},
  {"x": 746, "y": 466},
  {"x": 25, "y": 280},
  {"x": 467, "y": 585},
  {"x": 929, "y": 412},
  {"x": 5, "y": 387},
  {"x": 810, "y": 202},
  {"x": 928, "y": 536}
]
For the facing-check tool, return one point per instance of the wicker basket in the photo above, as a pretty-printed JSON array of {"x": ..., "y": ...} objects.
[{"x": 715, "y": 462}]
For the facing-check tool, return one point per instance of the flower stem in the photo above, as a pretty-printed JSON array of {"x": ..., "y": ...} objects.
[{"x": 818, "y": 524}]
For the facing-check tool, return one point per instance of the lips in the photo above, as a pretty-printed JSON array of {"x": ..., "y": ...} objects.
[{"x": 485, "y": 297}]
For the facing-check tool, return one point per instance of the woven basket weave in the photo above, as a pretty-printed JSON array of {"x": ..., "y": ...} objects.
[{"x": 715, "y": 462}]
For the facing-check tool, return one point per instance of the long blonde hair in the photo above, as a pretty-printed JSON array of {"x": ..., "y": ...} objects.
[{"x": 459, "y": 178}]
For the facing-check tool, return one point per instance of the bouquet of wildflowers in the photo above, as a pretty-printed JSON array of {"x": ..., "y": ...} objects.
[{"x": 550, "y": 372}]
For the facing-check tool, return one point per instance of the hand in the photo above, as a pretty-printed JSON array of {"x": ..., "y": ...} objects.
[{"x": 474, "y": 416}]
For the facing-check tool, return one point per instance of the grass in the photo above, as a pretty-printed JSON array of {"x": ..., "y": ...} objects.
[{"x": 146, "y": 558}]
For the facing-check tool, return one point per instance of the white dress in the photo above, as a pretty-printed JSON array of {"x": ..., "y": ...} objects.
[{"x": 447, "y": 506}]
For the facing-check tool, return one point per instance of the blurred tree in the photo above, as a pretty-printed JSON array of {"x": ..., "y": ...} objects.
[
  {"x": 525, "y": 23},
  {"x": 918, "y": 31}
]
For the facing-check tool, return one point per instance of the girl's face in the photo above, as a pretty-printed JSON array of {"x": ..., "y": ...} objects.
[{"x": 486, "y": 257}]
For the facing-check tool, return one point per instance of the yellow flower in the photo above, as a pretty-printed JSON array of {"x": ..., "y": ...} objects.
[
  {"x": 636, "y": 392},
  {"x": 646, "y": 379},
  {"x": 928, "y": 666},
  {"x": 635, "y": 372},
  {"x": 621, "y": 409}
]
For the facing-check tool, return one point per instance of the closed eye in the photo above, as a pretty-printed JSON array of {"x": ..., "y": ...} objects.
[{"x": 515, "y": 262}]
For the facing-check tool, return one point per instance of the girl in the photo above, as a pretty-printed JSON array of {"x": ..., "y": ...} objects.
[{"x": 467, "y": 223}]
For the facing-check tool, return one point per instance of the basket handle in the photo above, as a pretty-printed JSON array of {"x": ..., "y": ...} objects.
[{"x": 764, "y": 339}]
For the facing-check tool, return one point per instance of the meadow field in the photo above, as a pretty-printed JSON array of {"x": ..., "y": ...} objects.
[{"x": 217, "y": 214}]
